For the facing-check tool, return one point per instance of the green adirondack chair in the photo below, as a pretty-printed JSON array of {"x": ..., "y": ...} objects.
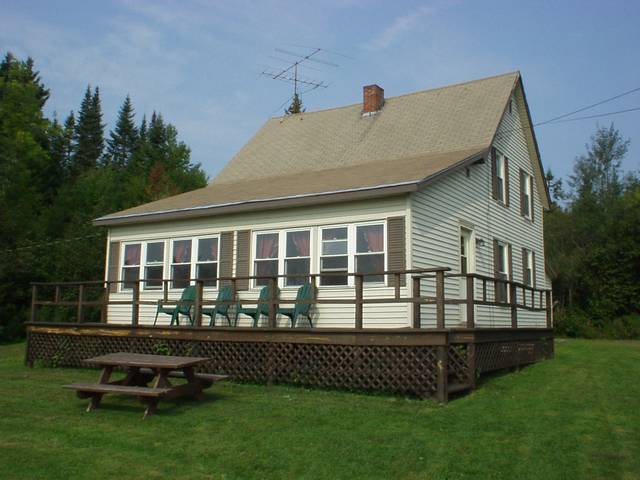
[
  {"x": 305, "y": 293},
  {"x": 261, "y": 309},
  {"x": 225, "y": 294},
  {"x": 188, "y": 295}
]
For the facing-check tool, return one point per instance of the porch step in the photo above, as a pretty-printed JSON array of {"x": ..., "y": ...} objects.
[{"x": 454, "y": 388}]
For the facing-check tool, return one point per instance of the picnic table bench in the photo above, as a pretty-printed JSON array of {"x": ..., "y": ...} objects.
[{"x": 142, "y": 370}]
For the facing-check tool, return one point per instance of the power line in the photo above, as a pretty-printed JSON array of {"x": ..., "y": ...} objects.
[
  {"x": 587, "y": 117},
  {"x": 615, "y": 97}
]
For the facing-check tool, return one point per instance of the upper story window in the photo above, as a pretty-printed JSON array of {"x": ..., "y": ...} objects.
[
  {"x": 526, "y": 195},
  {"x": 500, "y": 176}
]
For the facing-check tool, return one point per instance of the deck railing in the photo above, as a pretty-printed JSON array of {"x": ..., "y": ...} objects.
[{"x": 97, "y": 294}]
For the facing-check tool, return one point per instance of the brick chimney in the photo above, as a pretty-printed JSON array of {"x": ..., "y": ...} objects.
[{"x": 373, "y": 99}]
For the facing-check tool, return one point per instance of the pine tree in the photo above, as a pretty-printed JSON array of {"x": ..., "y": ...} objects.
[
  {"x": 296, "y": 106},
  {"x": 123, "y": 140},
  {"x": 89, "y": 133}
]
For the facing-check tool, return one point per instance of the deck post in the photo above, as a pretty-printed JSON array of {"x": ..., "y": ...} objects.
[
  {"x": 359, "y": 295},
  {"x": 197, "y": 307},
  {"x": 549, "y": 309},
  {"x": 440, "y": 299},
  {"x": 135, "y": 303},
  {"x": 471, "y": 363},
  {"x": 470, "y": 302},
  {"x": 34, "y": 300},
  {"x": 514, "y": 305},
  {"x": 442, "y": 355},
  {"x": 165, "y": 291},
  {"x": 415, "y": 294},
  {"x": 272, "y": 302},
  {"x": 80, "y": 314},
  {"x": 104, "y": 310}
]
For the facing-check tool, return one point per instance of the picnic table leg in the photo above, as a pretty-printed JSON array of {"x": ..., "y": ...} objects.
[
  {"x": 97, "y": 397},
  {"x": 152, "y": 405},
  {"x": 196, "y": 382}
]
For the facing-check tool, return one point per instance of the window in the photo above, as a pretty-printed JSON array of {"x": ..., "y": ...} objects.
[
  {"x": 502, "y": 264},
  {"x": 207, "y": 261},
  {"x": 527, "y": 267},
  {"x": 500, "y": 190},
  {"x": 131, "y": 264},
  {"x": 181, "y": 263},
  {"x": 370, "y": 251},
  {"x": 526, "y": 197},
  {"x": 266, "y": 257},
  {"x": 334, "y": 256},
  {"x": 154, "y": 265},
  {"x": 298, "y": 257}
]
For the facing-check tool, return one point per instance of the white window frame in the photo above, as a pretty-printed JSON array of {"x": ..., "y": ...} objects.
[
  {"x": 350, "y": 259},
  {"x": 505, "y": 249},
  {"x": 500, "y": 174},
  {"x": 145, "y": 264},
  {"x": 528, "y": 267},
  {"x": 140, "y": 266},
  {"x": 194, "y": 257},
  {"x": 528, "y": 194},
  {"x": 282, "y": 254},
  {"x": 352, "y": 251}
]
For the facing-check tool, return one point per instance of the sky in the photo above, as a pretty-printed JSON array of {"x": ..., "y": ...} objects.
[{"x": 199, "y": 62}]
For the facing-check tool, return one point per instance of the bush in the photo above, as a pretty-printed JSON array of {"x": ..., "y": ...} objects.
[{"x": 576, "y": 323}]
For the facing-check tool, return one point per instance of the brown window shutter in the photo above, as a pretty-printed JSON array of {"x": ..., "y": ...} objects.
[
  {"x": 243, "y": 258},
  {"x": 226, "y": 256},
  {"x": 532, "y": 200},
  {"x": 509, "y": 262},
  {"x": 114, "y": 265},
  {"x": 494, "y": 174},
  {"x": 396, "y": 248},
  {"x": 522, "y": 187},
  {"x": 506, "y": 181},
  {"x": 524, "y": 264}
]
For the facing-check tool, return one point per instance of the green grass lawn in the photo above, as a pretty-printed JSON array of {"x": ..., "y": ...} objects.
[{"x": 574, "y": 417}]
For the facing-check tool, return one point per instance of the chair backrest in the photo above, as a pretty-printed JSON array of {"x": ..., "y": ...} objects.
[
  {"x": 225, "y": 294},
  {"x": 305, "y": 292},
  {"x": 188, "y": 295},
  {"x": 265, "y": 296}
]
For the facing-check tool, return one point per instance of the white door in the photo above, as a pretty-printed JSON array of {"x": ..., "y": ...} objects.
[{"x": 467, "y": 265}]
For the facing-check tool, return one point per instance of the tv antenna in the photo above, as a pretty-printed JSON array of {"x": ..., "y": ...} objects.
[{"x": 294, "y": 61}]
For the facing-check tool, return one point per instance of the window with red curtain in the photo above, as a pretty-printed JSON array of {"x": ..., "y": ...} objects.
[
  {"x": 266, "y": 257},
  {"x": 207, "y": 262},
  {"x": 131, "y": 264},
  {"x": 370, "y": 251},
  {"x": 181, "y": 265},
  {"x": 298, "y": 257}
]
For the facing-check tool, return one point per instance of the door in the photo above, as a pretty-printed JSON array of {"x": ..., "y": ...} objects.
[{"x": 467, "y": 265}]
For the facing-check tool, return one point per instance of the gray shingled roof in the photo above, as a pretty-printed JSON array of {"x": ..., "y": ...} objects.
[{"x": 413, "y": 138}]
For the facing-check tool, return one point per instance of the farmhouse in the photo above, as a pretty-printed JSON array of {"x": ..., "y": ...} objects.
[{"x": 415, "y": 223}]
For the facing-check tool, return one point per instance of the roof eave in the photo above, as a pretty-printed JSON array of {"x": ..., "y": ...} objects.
[{"x": 260, "y": 204}]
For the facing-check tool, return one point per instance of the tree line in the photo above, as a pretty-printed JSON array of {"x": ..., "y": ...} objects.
[
  {"x": 592, "y": 242},
  {"x": 57, "y": 176}
]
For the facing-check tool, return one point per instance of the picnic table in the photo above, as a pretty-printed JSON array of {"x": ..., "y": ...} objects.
[{"x": 142, "y": 370}]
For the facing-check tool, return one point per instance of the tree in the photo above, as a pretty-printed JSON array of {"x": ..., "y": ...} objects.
[
  {"x": 296, "y": 106},
  {"x": 123, "y": 139},
  {"x": 89, "y": 133}
]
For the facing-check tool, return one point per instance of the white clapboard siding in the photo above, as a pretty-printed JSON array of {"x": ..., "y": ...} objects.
[
  {"x": 326, "y": 316},
  {"x": 463, "y": 198}
]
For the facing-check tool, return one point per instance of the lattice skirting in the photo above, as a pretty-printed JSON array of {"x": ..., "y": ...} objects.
[
  {"x": 499, "y": 355},
  {"x": 402, "y": 369}
]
